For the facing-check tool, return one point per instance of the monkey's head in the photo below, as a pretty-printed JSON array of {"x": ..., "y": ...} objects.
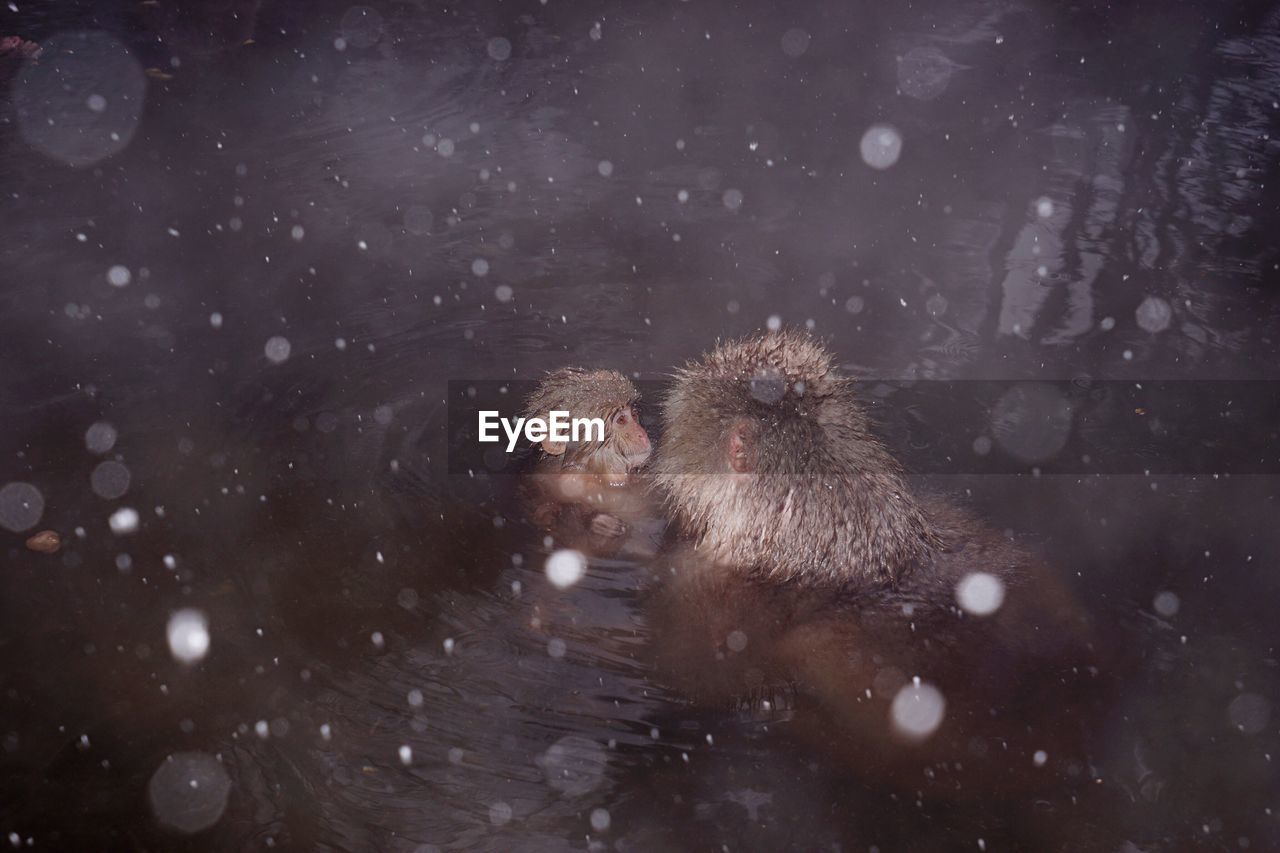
[
  {"x": 769, "y": 462},
  {"x": 604, "y": 394}
]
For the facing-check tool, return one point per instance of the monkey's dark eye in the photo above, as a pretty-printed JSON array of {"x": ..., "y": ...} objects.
[{"x": 621, "y": 419}]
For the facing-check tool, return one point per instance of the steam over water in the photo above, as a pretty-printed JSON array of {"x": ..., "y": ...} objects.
[{"x": 247, "y": 245}]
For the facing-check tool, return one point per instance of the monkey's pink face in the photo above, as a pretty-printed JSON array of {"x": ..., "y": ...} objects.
[
  {"x": 741, "y": 452},
  {"x": 630, "y": 438}
]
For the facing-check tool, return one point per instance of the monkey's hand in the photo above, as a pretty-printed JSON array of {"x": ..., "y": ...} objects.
[{"x": 607, "y": 526}]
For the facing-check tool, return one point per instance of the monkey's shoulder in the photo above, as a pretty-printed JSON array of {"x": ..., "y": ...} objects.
[{"x": 973, "y": 585}]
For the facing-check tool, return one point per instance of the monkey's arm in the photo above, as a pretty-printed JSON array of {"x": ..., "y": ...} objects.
[{"x": 559, "y": 505}]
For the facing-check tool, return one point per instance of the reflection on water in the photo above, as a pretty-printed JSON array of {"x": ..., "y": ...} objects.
[
  {"x": 496, "y": 734},
  {"x": 248, "y": 243}
]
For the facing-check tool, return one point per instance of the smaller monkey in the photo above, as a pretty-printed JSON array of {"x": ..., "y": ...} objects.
[
  {"x": 590, "y": 497},
  {"x": 586, "y": 491}
]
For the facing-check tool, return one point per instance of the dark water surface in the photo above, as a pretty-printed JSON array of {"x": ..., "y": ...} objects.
[{"x": 258, "y": 239}]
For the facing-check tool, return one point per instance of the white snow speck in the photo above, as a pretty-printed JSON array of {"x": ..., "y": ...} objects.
[
  {"x": 277, "y": 349},
  {"x": 1154, "y": 314},
  {"x": 188, "y": 791},
  {"x": 119, "y": 276},
  {"x": 881, "y": 146},
  {"x": 980, "y": 593},
  {"x": 188, "y": 633},
  {"x": 565, "y": 568},
  {"x": 21, "y": 506},
  {"x": 917, "y": 710},
  {"x": 574, "y": 765},
  {"x": 499, "y": 49},
  {"x": 1166, "y": 604},
  {"x": 795, "y": 42},
  {"x": 110, "y": 480},
  {"x": 124, "y": 521},
  {"x": 100, "y": 437},
  {"x": 924, "y": 73},
  {"x": 499, "y": 814}
]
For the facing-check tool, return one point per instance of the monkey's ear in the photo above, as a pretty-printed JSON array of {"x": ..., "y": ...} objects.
[
  {"x": 549, "y": 447},
  {"x": 742, "y": 447}
]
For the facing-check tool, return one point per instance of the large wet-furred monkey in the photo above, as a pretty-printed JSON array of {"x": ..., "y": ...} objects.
[{"x": 915, "y": 642}]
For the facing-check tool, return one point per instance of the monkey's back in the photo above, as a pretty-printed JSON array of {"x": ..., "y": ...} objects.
[{"x": 1014, "y": 683}]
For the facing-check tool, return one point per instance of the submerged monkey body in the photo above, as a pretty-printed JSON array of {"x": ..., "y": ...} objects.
[
  {"x": 914, "y": 624},
  {"x": 1017, "y": 682}
]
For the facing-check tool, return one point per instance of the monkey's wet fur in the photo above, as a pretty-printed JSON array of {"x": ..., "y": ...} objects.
[{"x": 805, "y": 562}]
